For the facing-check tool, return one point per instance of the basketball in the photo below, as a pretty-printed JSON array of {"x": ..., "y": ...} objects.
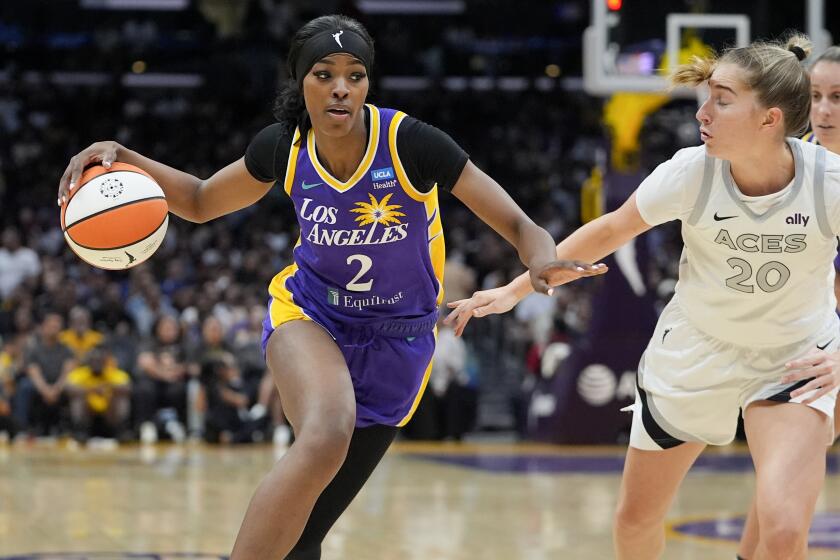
[{"x": 116, "y": 218}]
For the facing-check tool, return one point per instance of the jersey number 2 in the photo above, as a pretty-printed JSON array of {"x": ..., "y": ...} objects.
[
  {"x": 745, "y": 272},
  {"x": 354, "y": 285}
]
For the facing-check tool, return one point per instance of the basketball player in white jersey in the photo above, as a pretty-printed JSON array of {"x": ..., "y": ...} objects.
[
  {"x": 825, "y": 131},
  {"x": 752, "y": 324}
]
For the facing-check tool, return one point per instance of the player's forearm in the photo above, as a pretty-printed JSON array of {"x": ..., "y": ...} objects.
[
  {"x": 590, "y": 243},
  {"x": 534, "y": 244},
  {"x": 181, "y": 189}
]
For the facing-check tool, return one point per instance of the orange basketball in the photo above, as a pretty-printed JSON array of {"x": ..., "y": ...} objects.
[{"x": 116, "y": 218}]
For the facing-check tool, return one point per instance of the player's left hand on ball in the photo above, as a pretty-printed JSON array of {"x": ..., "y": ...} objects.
[
  {"x": 562, "y": 272},
  {"x": 104, "y": 152},
  {"x": 823, "y": 368}
]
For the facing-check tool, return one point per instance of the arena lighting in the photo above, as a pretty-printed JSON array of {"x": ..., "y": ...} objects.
[
  {"x": 478, "y": 83},
  {"x": 90, "y": 79},
  {"x": 411, "y": 6},
  {"x": 405, "y": 83},
  {"x": 614, "y": 5},
  {"x": 157, "y": 5},
  {"x": 151, "y": 79}
]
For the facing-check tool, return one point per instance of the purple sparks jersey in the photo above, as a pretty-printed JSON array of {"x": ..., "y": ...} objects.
[
  {"x": 368, "y": 267},
  {"x": 371, "y": 247}
]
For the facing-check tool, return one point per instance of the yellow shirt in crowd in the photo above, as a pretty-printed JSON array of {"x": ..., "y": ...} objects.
[
  {"x": 80, "y": 344},
  {"x": 111, "y": 377}
]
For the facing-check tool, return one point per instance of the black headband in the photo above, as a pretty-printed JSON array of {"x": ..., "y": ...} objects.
[
  {"x": 331, "y": 42},
  {"x": 799, "y": 52}
]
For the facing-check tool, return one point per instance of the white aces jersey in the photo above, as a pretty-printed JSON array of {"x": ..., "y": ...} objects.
[{"x": 755, "y": 271}]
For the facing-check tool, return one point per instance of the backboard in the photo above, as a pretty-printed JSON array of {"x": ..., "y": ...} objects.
[{"x": 631, "y": 45}]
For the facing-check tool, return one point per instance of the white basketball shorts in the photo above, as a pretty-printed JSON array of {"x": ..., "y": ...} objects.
[{"x": 691, "y": 386}]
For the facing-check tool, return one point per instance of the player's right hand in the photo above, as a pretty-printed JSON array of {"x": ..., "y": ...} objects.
[
  {"x": 562, "y": 272},
  {"x": 105, "y": 152},
  {"x": 485, "y": 302}
]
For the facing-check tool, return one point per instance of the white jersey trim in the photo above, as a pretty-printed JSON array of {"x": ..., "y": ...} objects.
[
  {"x": 705, "y": 189},
  {"x": 799, "y": 172},
  {"x": 819, "y": 192}
]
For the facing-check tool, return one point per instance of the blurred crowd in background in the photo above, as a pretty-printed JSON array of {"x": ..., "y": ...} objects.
[{"x": 171, "y": 348}]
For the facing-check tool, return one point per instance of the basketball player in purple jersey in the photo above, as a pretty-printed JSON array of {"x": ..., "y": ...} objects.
[
  {"x": 825, "y": 131},
  {"x": 349, "y": 334}
]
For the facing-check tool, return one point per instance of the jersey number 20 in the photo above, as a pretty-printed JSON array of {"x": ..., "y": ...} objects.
[{"x": 762, "y": 276}]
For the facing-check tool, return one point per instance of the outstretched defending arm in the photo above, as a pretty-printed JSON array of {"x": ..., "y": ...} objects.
[
  {"x": 497, "y": 209},
  {"x": 593, "y": 241}
]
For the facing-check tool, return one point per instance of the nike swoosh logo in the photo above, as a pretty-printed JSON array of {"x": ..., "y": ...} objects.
[
  {"x": 306, "y": 187},
  {"x": 824, "y": 346},
  {"x": 719, "y": 218}
]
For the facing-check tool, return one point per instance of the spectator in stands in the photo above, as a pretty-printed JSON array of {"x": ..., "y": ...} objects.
[
  {"x": 146, "y": 305},
  {"x": 459, "y": 279},
  {"x": 450, "y": 383},
  {"x": 123, "y": 344},
  {"x": 228, "y": 419},
  {"x": 38, "y": 398},
  {"x": 212, "y": 345},
  {"x": 17, "y": 263},
  {"x": 80, "y": 337},
  {"x": 160, "y": 385},
  {"x": 99, "y": 397},
  {"x": 245, "y": 338},
  {"x": 210, "y": 348},
  {"x": 245, "y": 341},
  {"x": 11, "y": 367}
]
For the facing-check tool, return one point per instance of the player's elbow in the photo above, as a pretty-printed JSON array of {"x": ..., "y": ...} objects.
[
  {"x": 199, "y": 218},
  {"x": 199, "y": 211},
  {"x": 189, "y": 215}
]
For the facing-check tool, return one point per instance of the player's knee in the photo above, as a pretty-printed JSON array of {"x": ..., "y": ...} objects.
[
  {"x": 633, "y": 517},
  {"x": 327, "y": 441},
  {"x": 783, "y": 534},
  {"x": 784, "y": 542}
]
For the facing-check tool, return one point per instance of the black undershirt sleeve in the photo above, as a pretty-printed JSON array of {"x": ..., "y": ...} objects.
[
  {"x": 267, "y": 154},
  {"x": 429, "y": 155}
]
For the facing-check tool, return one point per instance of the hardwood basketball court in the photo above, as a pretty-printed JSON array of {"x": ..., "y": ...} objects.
[{"x": 425, "y": 501}]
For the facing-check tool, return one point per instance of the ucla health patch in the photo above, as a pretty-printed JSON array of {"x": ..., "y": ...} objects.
[{"x": 382, "y": 174}]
